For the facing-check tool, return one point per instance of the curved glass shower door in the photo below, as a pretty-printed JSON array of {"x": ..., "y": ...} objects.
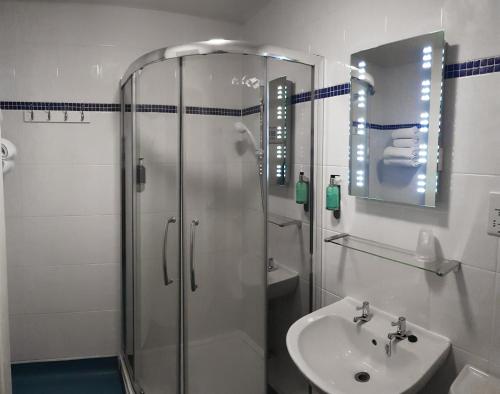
[
  {"x": 224, "y": 225},
  {"x": 157, "y": 321}
]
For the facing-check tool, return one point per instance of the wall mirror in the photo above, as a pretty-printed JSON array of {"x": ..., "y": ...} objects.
[{"x": 396, "y": 97}]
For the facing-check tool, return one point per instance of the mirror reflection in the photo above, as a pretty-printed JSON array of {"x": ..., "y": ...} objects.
[{"x": 396, "y": 95}]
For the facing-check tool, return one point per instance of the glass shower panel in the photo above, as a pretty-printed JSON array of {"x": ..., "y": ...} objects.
[
  {"x": 157, "y": 284},
  {"x": 224, "y": 226},
  {"x": 128, "y": 203},
  {"x": 290, "y": 247}
]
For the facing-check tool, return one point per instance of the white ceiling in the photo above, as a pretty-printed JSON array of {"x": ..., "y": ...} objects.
[{"x": 227, "y": 10}]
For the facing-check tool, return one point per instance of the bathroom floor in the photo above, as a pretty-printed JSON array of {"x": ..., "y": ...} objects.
[{"x": 96, "y": 376}]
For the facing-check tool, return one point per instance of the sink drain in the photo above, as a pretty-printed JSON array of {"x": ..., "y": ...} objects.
[{"x": 362, "y": 377}]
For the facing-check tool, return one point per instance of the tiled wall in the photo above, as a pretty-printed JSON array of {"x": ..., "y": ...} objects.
[
  {"x": 62, "y": 199},
  {"x": 464, "y": 306}
]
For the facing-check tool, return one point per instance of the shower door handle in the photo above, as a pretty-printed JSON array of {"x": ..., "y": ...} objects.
[
  {"x": 166, "y": 279},
  {"x": 194, "y": 223}
]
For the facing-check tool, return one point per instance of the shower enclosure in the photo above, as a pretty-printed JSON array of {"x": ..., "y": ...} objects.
[{"x": 195, "y": 165}]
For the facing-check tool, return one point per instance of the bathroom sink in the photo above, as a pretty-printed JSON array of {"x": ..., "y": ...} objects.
[
  {"x": 342, "y": 357},
  {"x": 281, "y": 281}
]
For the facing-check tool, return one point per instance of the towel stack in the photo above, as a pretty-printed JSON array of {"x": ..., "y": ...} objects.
[{"x": 404, "y": 149}]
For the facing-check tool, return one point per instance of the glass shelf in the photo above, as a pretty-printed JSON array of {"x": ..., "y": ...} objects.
[
  {"x": 282, "y": 221},
  {"x": 440, "y": 267}
]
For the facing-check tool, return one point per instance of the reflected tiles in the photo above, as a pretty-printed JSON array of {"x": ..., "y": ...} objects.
[
  {"x": 289, "y": 246},
  {"x": 158, "y": 137}
]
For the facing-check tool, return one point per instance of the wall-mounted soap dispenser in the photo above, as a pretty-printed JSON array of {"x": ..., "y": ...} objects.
[
  {"x": 140, "y": 175},
  {"x": 302, "y": 191},
  {"x": 333, "y": 196}
]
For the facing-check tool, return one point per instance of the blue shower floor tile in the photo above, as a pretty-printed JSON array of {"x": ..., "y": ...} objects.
[{"x": 90, "y": 376}]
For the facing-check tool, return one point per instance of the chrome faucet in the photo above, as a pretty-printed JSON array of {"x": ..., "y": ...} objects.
[
  {"x": 365, "y": 313},
  {"x": 401, "y": 332}
]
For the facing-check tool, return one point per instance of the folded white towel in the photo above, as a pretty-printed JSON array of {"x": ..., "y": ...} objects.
[
  {"x": 405, "y": 142},
  {"x": 9, "y": 150},
  {"x": 392, "y": 152},
  {"x": 401, "y": 162},
  {"x": 405, "y": 133}
]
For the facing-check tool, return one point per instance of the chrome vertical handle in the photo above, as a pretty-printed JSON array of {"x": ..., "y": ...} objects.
[
  {"x": 194, "y": 223},
  {"x": 166, "y": 279}
]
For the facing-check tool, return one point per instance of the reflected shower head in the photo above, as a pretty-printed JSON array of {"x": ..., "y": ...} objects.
[{"x": 242, "y": 128}]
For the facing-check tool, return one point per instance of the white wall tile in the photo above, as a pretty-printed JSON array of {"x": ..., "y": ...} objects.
[
  {"x": 63, "y": 240},
  {"x": 472, "y": 121},
  {"x": 461, "y": 308},
  {"x": 385, "y": 284},
  {"x": 69, "y": 190},
  {"x": 58, "y": 289},
  {"x": 495, "y": 343},
  {"x": 328, "y": 298},
  {"x": 336, "y": 144},
  {"x": 289, "y": 246},
  {"x": 65, "y": 335}
]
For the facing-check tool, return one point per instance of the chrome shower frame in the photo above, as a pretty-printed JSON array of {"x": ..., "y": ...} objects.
[{"x": 219, "y": 46}]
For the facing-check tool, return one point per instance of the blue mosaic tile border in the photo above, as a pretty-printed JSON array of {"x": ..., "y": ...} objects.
[
  {"x": 301, "y": 97},
  {"x": 213, "y": 111},
  {"x": 250, "y": 110},
  {"x": 472, "y": 67},
  {"x": 52, "y": 106},
  {"x": 396, "y": 126},
  {"x": 458, "y": 70},
  {"x": 331, "y": 91},
  {"x": 169, "y": 109}
]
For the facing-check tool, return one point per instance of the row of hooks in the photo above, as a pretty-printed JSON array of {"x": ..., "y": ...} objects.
[{"x": 49, "y": 116}]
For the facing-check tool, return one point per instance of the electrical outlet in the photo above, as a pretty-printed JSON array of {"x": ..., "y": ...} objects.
[{"x": 494, "y": 215}]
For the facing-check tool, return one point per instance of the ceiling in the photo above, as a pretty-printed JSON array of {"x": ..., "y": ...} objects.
[{"x": 238, "y": 11}]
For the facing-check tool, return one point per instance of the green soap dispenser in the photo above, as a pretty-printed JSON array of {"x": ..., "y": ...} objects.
[
  {"x": 333, "y": 197},
  {"x": 301, "y": 192}
]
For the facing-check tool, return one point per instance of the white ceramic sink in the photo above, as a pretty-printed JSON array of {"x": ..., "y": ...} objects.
[
  {"x": 330, "y": 349},
  {"x": 281, "y": 281}
]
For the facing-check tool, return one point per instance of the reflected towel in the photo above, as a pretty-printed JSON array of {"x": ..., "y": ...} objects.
[
  {"x": 392, "y": 152},
  {"x": 405, "y": 133},
  {"x": 9, "y": 150},
  {"x": 405, "y": 143},
  {"x": 401, "y": 162}
]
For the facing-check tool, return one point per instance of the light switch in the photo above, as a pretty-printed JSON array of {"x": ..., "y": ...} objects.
[{"x": 494, "y": 215}]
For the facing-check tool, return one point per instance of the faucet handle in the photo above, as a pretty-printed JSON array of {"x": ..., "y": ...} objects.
[
  {"x": 401, "y": 324},
  {"x": 365, "y": 307}
]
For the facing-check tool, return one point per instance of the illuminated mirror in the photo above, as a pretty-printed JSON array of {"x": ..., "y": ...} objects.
[{"x": 396, "y": 97}]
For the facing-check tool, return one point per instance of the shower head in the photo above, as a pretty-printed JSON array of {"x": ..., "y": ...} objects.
[{"x": 242, "y": 128}]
